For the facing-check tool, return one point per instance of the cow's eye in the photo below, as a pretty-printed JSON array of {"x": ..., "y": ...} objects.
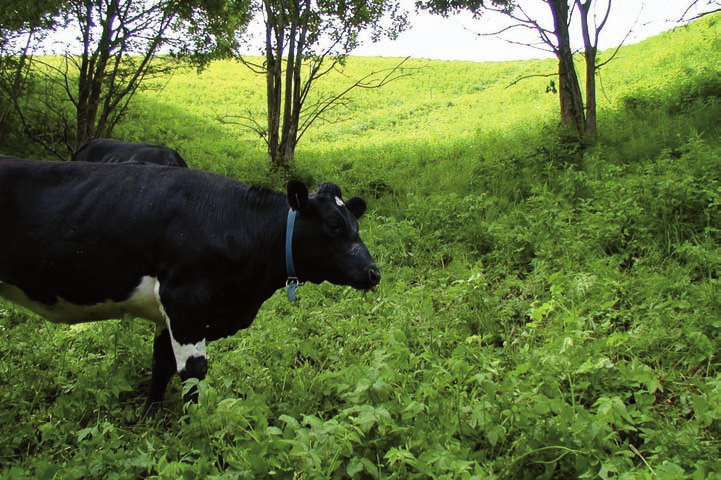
[{"x": 336, "y": 227}]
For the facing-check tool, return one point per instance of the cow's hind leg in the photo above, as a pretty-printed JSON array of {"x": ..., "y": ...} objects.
[{"x": 163, "y": 370}]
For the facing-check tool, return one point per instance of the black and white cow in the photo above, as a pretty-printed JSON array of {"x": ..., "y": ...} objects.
[
  {"x": 194, "y": 252},
  {"x": 106, "y": 150}
]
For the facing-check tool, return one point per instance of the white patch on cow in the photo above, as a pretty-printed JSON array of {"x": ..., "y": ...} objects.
[
  {"x": 356, "y": 249},
  {"x": 141, "y": 303},
  {"x": 182, "y": 351},
  {"x": 339, "y": 202}
]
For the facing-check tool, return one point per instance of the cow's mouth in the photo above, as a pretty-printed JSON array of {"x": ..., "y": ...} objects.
[{"x": 372, "y": 278}]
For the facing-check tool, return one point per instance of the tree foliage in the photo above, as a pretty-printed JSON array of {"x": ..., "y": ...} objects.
[
  {"x": 448, "y": 7},
  {"x": 21, "y": 24},
  {"x": 110, "y": 51},
  {"x": 19, "y": 15}
]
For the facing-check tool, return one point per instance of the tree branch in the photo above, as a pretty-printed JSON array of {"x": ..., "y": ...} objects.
[
  {"x": 526, "y": 77},
  {"x": 693, "y": 4},
  {"x": 369, "y": 81}
]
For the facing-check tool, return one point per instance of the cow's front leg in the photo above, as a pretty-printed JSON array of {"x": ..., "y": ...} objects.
[
  {"x": 183, "y": 307},
  {"x": 163, "y": 370},
  {"x": 192, "y": 362},
  {"x": 190, "y": 359}
]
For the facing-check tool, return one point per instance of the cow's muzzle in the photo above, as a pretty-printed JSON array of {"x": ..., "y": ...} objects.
[{"x": 374, "y": 276}]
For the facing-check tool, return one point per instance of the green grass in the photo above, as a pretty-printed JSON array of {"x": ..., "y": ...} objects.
[{"x": 546, "y": 311}]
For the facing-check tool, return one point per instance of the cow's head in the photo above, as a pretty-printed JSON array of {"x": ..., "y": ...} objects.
[{"x": 326, "y": 244}]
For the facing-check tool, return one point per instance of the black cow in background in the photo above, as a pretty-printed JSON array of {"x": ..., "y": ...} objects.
[
  {"x": 194, "y": 252},
  {"x": 106, "y": 150}
]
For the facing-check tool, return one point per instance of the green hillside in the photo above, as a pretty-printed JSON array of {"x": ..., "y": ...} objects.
[{"x": 547, "y": 310}]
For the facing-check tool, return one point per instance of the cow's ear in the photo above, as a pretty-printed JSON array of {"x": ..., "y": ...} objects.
[
  {"x": 357, "y": 206},
  {"x": 297, "y": 195}
]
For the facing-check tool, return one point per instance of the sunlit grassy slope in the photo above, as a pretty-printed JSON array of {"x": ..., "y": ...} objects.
[
  {"x": 429, "y": 102},
  {"x": 433, "y": 111},
  {"x": 548, "y": 310}
]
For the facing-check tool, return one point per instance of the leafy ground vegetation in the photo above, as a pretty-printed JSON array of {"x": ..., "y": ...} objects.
[{"x": 548, "y": 310}]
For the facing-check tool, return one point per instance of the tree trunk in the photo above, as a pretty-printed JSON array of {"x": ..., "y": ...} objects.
[
  {"x": 590, "y": 55},
  {"x": 273, "y": 77},
  {"x": 590, "y": 49},
  {"x": 294, "y": 60},
  {"x": 569, "y": 89},
  {"x": 293, "y": 103}
]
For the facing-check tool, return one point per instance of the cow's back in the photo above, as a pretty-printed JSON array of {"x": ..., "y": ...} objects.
[
  {"x": 90, "y": 232},
  {"x": 106, "y": 150}
]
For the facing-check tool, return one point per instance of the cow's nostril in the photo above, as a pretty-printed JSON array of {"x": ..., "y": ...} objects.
[{"x": 374, "y": 275}]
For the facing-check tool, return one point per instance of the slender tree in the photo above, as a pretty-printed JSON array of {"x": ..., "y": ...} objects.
[
  {"x": 305, "y": 40},
  {"x": 569, "y": 88},
  {"x": 576, "y": 116},
  {"x": 590, "y": 51}
]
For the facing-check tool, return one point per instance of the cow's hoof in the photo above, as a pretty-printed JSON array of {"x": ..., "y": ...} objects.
[{"x": 151, "y": 410}]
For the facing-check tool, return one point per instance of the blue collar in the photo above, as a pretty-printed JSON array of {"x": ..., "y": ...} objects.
[{"x": 292, "y": 282}]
